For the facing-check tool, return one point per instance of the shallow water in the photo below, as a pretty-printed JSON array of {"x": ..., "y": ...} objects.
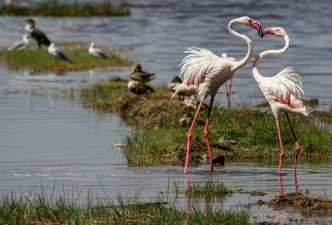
[{"x": 48, "y": 141}]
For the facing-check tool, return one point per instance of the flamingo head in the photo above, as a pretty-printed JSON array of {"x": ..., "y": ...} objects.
[
  {"x": 277, "y": 31},
  {"x": 246, "y": 20}
]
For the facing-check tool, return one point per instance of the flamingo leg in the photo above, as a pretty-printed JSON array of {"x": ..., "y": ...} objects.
[
  {"x": 282, "y": 149},
  {"x": 189, "y": 134},
  {"x": 206, "y": 132},
  {"x": 228, "y": 93},
  {"x": 297, "y": 145}
]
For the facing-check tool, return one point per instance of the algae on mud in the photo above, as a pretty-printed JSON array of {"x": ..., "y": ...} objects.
[
  {"x": 38, "y": 60},
  {"x": 159, "y": 139}
]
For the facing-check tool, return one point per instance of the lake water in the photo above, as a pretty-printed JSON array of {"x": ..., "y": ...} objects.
[{"x": 47, "y": 140}]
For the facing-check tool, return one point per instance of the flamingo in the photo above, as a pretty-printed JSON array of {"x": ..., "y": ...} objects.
[
  {"x": 282, "y": 91},
  {"x": 229, "y": 84},
  {"x": 206, "y": 72}
]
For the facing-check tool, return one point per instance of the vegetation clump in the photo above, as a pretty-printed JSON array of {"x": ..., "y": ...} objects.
[
  {"x": 38, "y": 60},
  {"x": 160, "y": 139},
  {"x": 59, "y": 9},
  {"x": 68, "y": 209}
]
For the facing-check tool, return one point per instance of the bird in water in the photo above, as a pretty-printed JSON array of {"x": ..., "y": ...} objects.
[
  {"x": 229, "y": 83},
  {"x": 37, "y": 34},
  {"x": 139, "y": 88},
  {"x": 138, "y": 74},
  {"x": 57, "y": 53},
  {"x": 206, "y": 72},
  {"x": 20, "y": 44},
  {"x": 282, "y": 91},
  {"x": 97, "y": 52}
]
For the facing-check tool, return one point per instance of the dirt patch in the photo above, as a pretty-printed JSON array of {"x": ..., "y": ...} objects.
[
  {"x": 311, "y": 205},
  {"x": 199, "y": 156}
]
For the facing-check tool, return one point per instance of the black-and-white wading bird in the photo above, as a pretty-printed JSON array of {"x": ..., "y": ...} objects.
[
  {"x": 20, "y": 44},
  {"x": 57, "y": 53},
  {"x": 37, "y": 34},
  {"x": 97, "y": 52}
]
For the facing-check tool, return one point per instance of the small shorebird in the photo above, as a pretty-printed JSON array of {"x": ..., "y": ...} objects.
[
  {"x": 175, "y": 83},
  {"x": 138, "y": 87},
  {"x": 57, "y": 53},
  {"x": 139, "y": 75},
  {"x": 37, "y": 34},
  {"x": 20, "y": 44},
  {"x": 93, "y": 50}
]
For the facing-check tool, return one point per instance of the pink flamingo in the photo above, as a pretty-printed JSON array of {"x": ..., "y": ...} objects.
[
  {"x": 206, "y": 72},
  {"x": 228, "y": 84},
  {"x": 283, "y": 91}
]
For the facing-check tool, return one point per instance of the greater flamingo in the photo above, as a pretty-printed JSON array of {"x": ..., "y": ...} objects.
[
  {"x": 206, "y": 72},
  {"x": 282, "y": 91}
]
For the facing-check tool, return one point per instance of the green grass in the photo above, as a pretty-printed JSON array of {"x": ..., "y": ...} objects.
[
  {"x": 37, "y": 60},
  {"x": 57, "y": 9},
  {"x": 69, "y": 208},
  {"x": 158, "y": 138}
]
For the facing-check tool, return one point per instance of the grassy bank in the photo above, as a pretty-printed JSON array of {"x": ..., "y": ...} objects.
[
  {"x": 37, "y": 60},
  {"x": 58, "y": 9},
  {"x": 159, "y": 139},
  {"x": 68, "y": 209}
]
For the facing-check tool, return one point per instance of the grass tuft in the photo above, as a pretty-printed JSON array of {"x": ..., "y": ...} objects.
[
  {"x": 59, "y": 9},
  {"x": 37, "y": 60}
]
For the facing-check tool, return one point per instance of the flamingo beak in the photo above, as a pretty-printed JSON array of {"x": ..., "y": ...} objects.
[
  {"x": 257, "y": 26},
  {"x": 267, "y": 31}
]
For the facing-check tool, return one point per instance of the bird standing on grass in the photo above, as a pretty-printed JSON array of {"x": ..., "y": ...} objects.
[
  {"x": 97, "y": 52},
  {"x": 138, "y": 74},
  {"x": 206, "y": 72},
  {"x": 282, "y": 91},
  {"x": 139, "y": 88},
  {"x": 37, "y": 34},
  {"x": 57, "y": 53},
  {"x": 20, "y": 44}
]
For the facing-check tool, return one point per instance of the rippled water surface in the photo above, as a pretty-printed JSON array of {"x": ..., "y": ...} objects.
[{"x": 47, "y": 140}]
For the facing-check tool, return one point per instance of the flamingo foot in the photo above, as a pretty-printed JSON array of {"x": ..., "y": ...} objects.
[{"x": 297, "y": 148}]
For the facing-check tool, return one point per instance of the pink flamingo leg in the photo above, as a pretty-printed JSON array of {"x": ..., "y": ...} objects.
[
  {"x": 189, "y": 134},
  {"x": 282, "y": 149},
  {"x": 229, "y": 93},
  {"x": 297, "y": 145},
  {"x": 206, "y": 133},
  {"x": 281, "y": 188}
]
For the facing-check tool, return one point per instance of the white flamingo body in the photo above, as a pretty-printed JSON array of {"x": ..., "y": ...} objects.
[
  {"x": 228, "y": 84},
  {"x": 206, "y": 72},
  {"x": 282, "y": 91}
]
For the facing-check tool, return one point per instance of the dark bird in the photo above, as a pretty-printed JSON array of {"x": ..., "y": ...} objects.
[
  {"x": 57, "y": 53},
  {"x": 139, "y": 75},
  {"x": 37, "y": 34},
  {"x": 138, "y": 87}
]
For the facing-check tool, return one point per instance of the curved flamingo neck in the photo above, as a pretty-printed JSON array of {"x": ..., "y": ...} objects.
[
  {"x": 263, "y": 54},
  {"x": 246, "y": 59}
]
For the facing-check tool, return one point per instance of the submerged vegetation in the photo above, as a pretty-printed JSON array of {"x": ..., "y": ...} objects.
[
  {"x": 37, "y": 60},
  {"x": 68, "y": 209},
  {"x": 159, "y": 138},
  {"x": 59, "y": 9}
]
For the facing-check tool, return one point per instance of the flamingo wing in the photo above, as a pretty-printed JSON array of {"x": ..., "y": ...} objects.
[
  {"x": 199, "y": 64},
  {"x": 285, "y": 88}
]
